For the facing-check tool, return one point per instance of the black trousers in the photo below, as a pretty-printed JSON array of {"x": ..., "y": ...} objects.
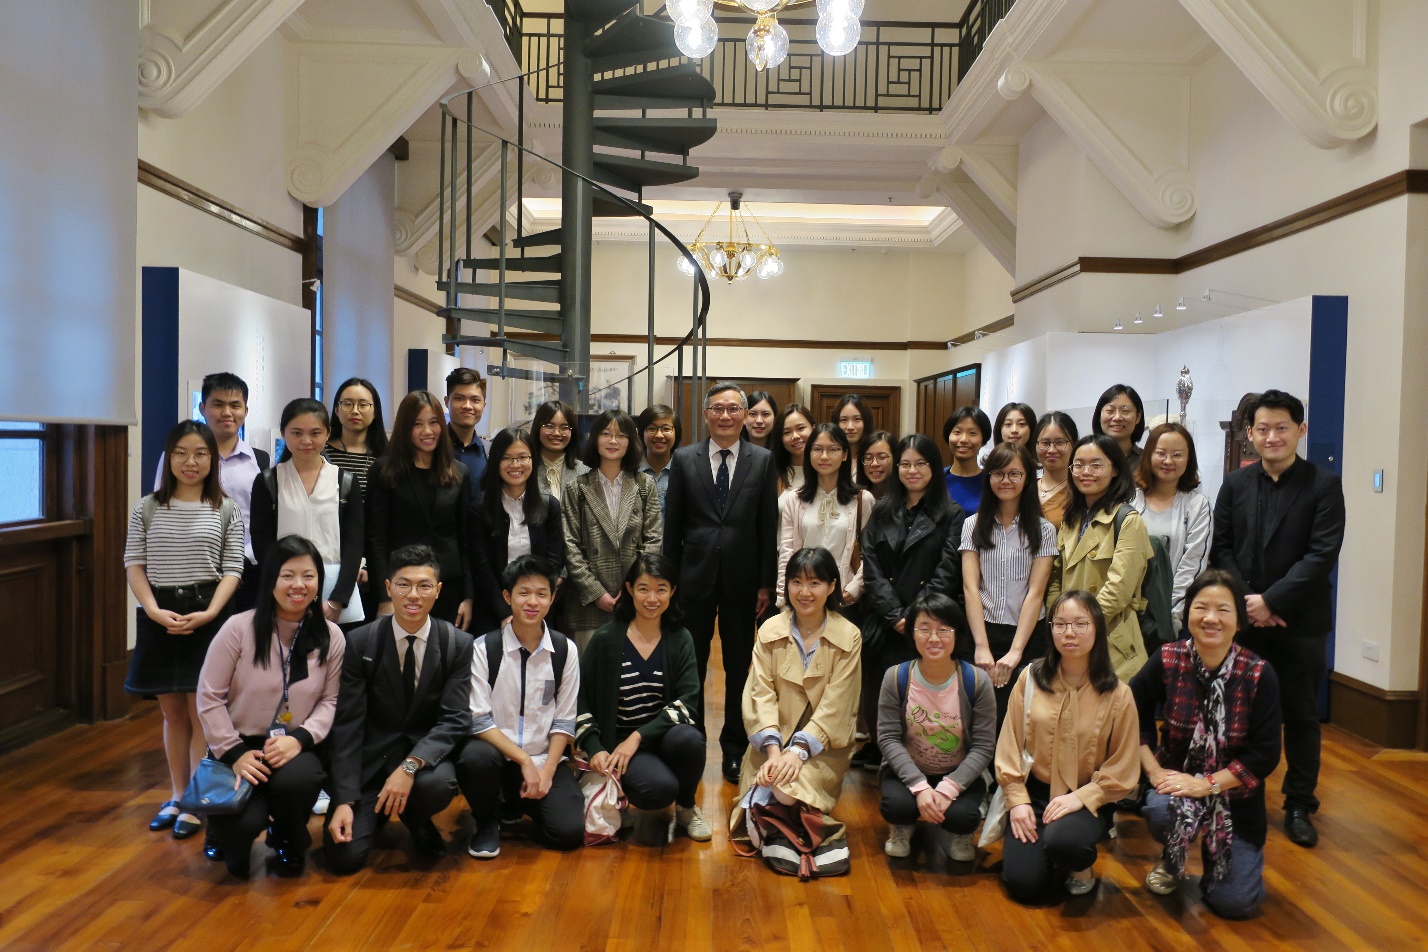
[
  {"x": 734, "y": 609},
  {"x": 887, "y": 650},
  {"x": 999, "y": 640},
  {"x": 1032, "y": 871},
  {"x": 1300, "y": 662},
  {"x": 899, "y": 804},
  {"x": 487, "y": 778},
  {"x": 283, "y": 801},
  {"x": 433, "y": 789},
  {"x": 246, "y": 596},
  {"x": 667, "y": 772}
]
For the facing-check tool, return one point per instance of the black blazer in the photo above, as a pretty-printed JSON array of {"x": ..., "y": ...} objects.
[
  {"x": 397, "y": 516},
  {"x": 374, "y": 730},
  {"x": 738, "y": 547},
  {"x": 1302, "y": 547},
  {"x": 489, "y": 541},
  {"x": 264, "y": 528},
  {"x": 899, "y": 564}
]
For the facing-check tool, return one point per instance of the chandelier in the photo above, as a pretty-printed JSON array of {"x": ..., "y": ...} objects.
[
  {"x": 738, "y": 256},
  {"x": 696, "y": 34}
]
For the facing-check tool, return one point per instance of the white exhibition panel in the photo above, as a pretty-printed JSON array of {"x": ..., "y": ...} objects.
[
  {"x": 265, "y": 341},
  {"x": 1229, "y": 357}
]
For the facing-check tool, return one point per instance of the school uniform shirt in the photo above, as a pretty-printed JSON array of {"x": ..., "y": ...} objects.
[{"x": 523, "y": 703}]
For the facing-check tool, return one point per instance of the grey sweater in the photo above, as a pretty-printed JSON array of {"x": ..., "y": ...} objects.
[{"x": 979, "y": 725}]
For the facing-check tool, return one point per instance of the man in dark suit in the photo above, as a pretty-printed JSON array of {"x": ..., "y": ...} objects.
[
  {"x": 1279, "y": 524},
  {"x": 404, "y": 705},
  {"x": 721, "y": 531}
]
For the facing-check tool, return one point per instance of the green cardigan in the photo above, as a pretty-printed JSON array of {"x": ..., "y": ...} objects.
[{"x": 600, "y": 688}]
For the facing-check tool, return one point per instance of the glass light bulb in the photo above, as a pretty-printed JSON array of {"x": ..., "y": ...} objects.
[
  {"x": 689, "y": 12},
  {"x": 765, "y": 269},
  {"x": 717, "y": 258},
  {"x": 839, "y": 8},
  {"x": 759, "y": 6},
  {"x": 748, "y": 259},
  {"x": 777, "y": 267},
  {"x": 838, "y": 35},
  {"x": 685, "y": 265},
  {"x": 777, "y": 45},
  {"x": 699, "y": 40}
]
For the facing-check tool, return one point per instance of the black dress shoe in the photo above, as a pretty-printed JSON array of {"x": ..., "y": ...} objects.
[
  {"x": 427, "y": 841},
  {"x": 183, "y": 829},
  {"x": 213, "y": 852},
  {"x": 288, "y": 861},
  {"x": 1300, "y": 828},
  {"x": 162, "y": 820},
  {"x": 731, "y": 769}
]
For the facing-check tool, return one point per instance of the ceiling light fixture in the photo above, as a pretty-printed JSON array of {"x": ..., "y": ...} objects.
[
  {"x": 1180, "y": 305},
  {"x": 1137, "y": 319},
  {"x": 739, "y": 255},
  {"x": 1118, "y": 326},
  {"x": 697, "y": 34},
  {"x": 1157, "y": 312}
]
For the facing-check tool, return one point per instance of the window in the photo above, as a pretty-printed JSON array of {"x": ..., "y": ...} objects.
[
  {"x": 22, "y": 471},
  {"x": 317, "y": 382}
]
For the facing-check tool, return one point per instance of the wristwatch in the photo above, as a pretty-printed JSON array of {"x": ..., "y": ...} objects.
[
  {"x": 411, "y": 765},
  {"x": 802, "y": 751},
  {"x": 1215, "y": 787}
]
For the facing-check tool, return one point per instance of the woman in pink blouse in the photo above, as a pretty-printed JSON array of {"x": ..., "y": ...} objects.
[{"x": 266, "y": 697}]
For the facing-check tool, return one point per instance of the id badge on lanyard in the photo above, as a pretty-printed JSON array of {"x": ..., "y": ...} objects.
[{"x": 284, "y": 715}]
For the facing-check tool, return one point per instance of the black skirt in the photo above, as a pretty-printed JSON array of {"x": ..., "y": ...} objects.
[{"x": 170, "y": 664}]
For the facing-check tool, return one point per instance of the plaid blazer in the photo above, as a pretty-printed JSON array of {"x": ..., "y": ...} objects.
[{"x": 600, "y": 546}]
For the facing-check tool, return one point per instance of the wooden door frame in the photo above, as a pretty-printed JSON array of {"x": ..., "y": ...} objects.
[{"x": 816, "y": 391}]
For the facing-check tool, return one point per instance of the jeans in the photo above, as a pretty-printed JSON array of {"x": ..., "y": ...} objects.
[{"x": 1239, "y": 895}]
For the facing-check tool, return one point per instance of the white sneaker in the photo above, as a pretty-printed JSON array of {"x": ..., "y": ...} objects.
[
  {"x": 694, "y": 824},
  {"x": 324, "y": 800},
  {"x": 1159, "y": 880},
  {"x": 861, "y": 737},
  {"x": 961, "y": 848},
  {"x": 1078, "y": 884},
  {"x": 899, "y": 844}
]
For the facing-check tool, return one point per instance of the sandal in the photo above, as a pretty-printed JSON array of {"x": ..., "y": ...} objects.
[{"x": 162, "y": 820}]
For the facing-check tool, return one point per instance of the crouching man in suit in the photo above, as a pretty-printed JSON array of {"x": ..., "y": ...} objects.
[{"x": 403, "y": 709}]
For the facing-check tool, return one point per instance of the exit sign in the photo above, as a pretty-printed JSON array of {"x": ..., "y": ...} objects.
[{"x": 855, "y": 369}]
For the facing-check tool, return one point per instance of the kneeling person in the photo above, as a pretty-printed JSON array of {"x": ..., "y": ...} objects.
[
  {"x": 403, "y": 707},
  {"x": 525, "y": 679}
]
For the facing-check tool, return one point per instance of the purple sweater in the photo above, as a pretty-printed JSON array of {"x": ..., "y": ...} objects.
[{"x": 236, "y": 697}]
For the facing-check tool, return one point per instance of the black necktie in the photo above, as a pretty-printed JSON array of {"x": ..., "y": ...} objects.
[
  {"x": 409, "y": 670},
  {"x": 721, "y": 482}
]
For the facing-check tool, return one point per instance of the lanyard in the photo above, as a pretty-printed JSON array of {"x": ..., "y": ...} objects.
[{"x": 283, "y": 715}]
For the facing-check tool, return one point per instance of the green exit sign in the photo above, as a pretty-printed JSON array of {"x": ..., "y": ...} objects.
[{"x": 855, "y": 369}]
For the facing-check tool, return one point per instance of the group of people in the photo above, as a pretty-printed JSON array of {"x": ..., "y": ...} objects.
[{"x": 432, "y": 614}]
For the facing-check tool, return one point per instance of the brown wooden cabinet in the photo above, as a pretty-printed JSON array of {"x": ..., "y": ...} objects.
[{"x": 939, "y": 394}]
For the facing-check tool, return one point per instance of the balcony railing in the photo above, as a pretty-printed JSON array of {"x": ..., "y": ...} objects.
[
  {"x": 976, "y": 23},
  {"x": 897, "y": 67},
  {"x": 511, "y": 16}
]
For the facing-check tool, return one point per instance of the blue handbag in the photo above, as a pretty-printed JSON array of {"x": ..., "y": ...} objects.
[{"x": 211, "y": 790}]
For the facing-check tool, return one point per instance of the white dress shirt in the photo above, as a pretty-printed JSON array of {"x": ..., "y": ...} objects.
[
  {"x": 400, "y": 635},
  {"x": 611, "y": 488},
  {"x": 518, "y": 534},
  {"x": 528, "y": 717},
  {"x": 715, "y": 459}
]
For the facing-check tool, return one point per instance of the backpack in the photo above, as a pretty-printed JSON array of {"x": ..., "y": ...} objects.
[
  {"x": 492, "y": 641},
  {"x": 382, "y": 635},
  {"x": 150, "y": 505},
  {"x": 1156, "y": 588},
  {"x": 345, "y": 482},
  {"x": 904, "y": 672}
]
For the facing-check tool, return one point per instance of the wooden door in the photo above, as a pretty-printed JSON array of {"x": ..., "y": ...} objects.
[
  {"x": 884, "y": 402},
  {"x": 940, "y": 394},
  {"x": 782, "y": 389}
]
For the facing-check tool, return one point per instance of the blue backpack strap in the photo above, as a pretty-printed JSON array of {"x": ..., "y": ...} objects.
[
  {"x": 969, "y": 680},
  {"x": 904, "y": 672}
]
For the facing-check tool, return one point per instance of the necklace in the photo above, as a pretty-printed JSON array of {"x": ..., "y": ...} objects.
[{"x": 1048, "y": 493}]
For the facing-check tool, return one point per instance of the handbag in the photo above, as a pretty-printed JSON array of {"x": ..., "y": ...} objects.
[
  {"x": 604, "y": 798},
  {"x": 211, "y": 791},
  {"x": 856, "y": 562},
  {"x": 994, "y": 827},
  {"x": 798, "y": 840}
]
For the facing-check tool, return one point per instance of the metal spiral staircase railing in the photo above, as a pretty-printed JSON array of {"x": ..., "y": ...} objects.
[{"x": 609, "y": 112}]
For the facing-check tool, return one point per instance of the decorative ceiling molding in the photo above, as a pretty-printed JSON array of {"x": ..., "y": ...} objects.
[
  {"x": 1311, "y": 59},
  {"x": 1132, "y": 121},
  {"x": 983, "y": 218},
  {"x": 417, "y": 226},
  {"x": 188, "y": 47},
  {"x": 992, "y": 167},
  {"x": 350, "y": 101}
]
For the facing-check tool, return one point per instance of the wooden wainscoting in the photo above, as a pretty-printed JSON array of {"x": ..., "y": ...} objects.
[{"x": 1387, "y": 718}]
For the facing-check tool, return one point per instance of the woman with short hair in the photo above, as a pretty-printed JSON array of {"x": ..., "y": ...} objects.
[
  {"x": 965, "y": 432},
  {"x": 1169, "y": 500},
  {"x": 1120, "y": 414}
]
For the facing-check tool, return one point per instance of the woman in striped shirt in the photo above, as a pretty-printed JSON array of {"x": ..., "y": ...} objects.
[
  {"x": 184, "y": 559},
  {"x": 359, "y": 436},
  {"x": 639, "y": 694},
  {"x": 1007, "y": 553}
]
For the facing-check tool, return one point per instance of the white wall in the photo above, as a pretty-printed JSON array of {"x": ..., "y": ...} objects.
[
  {"x": 67, "y": 280},
  {"x": 358, "y": 275}
]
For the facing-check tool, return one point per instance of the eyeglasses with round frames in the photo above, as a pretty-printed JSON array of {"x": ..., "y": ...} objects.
[
  {"x": 423, "y": 588},
  {"x": 878, "y": 459},
  {"x": 1080, "y": 626},
  {"x": 826, "y": 450},
  {"x": 1007, "y": 476},
  {"x": 908, "y": 465},
  {"x": 1095, "y": 467},
  {"x": 1052, "y": 444},
  {"x": 183, "y": 456},
  {"x": 1160, "y": 456},
  {"x": 943, "y": 633},
  {"x": 347, "y": 406},
  {"x": 554, "y": 428}
]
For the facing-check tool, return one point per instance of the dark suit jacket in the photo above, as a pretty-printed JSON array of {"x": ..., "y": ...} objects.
[
  {"x": 1301, "y": 548},
  {"x": 489, "y": 542},
  {"x": 900, "y": 564},
  {"x": 736, "y": 548},
  {"x": 374, "y": 730},
  {"x": 350, "y": 514},
  {"x": 396, "y": 516}
]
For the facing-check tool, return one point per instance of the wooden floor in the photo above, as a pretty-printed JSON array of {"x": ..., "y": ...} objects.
[{"x": 79, "y": 870}]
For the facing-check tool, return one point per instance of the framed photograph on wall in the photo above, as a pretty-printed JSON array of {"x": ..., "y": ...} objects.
[{"x": 607, "y": 386}]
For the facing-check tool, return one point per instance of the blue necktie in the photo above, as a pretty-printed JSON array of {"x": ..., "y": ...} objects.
[{"x": 721, "y": 482}]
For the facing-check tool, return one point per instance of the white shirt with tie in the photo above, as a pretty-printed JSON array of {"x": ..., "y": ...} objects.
[
  {"x": 401, "y": 635},
  {"x": 715, "y": 459}
]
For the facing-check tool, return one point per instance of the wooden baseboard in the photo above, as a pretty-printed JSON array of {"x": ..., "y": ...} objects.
[
  {"x": 36, "y": 728},
  {"x": 1387, "y": 718},
  {"x": 116, "y": 700}
]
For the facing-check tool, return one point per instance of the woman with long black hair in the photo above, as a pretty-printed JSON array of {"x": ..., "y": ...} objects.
[
  {"x": 558, "y": 462},
  {"x": 514, "y": 518},
  {"x": 855, "y": 418},
  {"x": 359, "y": 435},
  {"x": 759, "y": 423},
  {"x": 789, "y": 443}
]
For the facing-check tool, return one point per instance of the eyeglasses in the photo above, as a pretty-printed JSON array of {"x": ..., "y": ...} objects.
[
  {"x": 183, "y": 456},
  {"x": 1118, "y": 412},
  {"x": 659, "y": 431},
  {"x": 516, "y": 460},
  {"x": 615, "y": 437},
  {"x": 939, "y": 632},
  {"x": 1160, "y": 456},
  {"x": 1004, "y": 476},
  {"x": 725, "y": 409},
  {"x": 826, "y": 451},
  {"x": 908, "y": 466},
  {"x": 1080, "y": 627},
  {"x": 878, "y": 459},
  {"x": 402, "y": 587},
  {"x": 462, "y": 400},
  {"x": 347, "y": 406},
  {"x": 1095, "y": 467},
  {"x": 554, "y": 428},
  {"x": 1052, "y": 444}
]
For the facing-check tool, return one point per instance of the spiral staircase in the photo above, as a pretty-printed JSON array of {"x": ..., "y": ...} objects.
[{"x": 631, "y": 115}]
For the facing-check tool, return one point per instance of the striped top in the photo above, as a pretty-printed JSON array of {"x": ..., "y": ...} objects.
[
  {"x": 186, "y": 543},
  {"x": 355, "y": 463},
  {"x": 1006, "y": 567},
  {"x": 641, "y": 688}
]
